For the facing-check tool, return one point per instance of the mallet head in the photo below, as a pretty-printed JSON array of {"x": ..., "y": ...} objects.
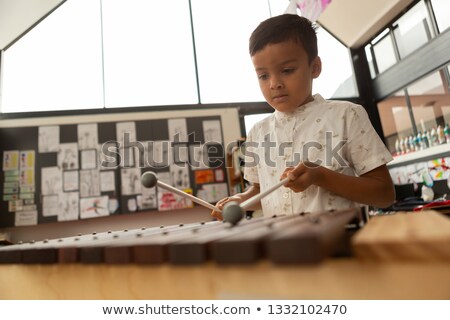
[
  {"x": 149, "y": 179},
  {"x": 232, "y": 212}
]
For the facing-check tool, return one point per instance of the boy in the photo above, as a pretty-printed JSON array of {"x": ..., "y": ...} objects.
[{"x": 328, "y": 149}]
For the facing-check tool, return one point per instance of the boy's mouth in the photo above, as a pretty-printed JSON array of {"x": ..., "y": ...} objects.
[{"x": 280, "y": 98}]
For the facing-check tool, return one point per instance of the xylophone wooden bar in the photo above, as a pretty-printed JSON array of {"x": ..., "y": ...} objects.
[
  {"x": 248, "y": 247},
  {"x": 309, "y": 242},
  {"x": 282, "y": 239}
]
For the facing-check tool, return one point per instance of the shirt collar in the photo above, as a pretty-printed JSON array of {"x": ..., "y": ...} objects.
[{"x": 317, "y": 98}]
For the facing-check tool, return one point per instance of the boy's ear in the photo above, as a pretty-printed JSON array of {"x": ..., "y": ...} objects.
[{"x": 316, "y": 67}]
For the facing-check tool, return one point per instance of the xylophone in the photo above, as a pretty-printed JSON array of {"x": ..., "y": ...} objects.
[{"x": 302, "y": 238}]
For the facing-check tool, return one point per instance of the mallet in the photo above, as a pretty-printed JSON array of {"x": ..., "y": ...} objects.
[
  {"x": 149, "y": 180},
  {"x": 233, "y": 212}
]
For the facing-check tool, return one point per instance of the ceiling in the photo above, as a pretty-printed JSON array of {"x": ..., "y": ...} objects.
[
  {"x": 353, "y": 22},
  {"x": 17, "y": 16}
]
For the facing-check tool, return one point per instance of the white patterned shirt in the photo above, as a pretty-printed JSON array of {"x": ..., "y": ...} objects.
[{"x": 336, "y": 134}]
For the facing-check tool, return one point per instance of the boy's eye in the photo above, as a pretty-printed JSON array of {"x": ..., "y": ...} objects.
[
  {"x": 263, "y": 76},
  {"x": 288, "y": 70}
]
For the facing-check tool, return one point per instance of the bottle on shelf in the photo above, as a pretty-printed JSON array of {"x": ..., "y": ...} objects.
[
  {"x": 447, "y": 133},
  {"x": 433, "y": 137},
  {"x": 398, "y": 151},
  {"x": 440, "y": 134}
]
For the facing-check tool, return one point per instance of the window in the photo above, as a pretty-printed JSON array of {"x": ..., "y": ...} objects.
[
  {"x": 337, "y": 78},
  {"x": 412, "y": 30},
  {"x": 148, "y": 53},
  {"x": 441, "y": 9},
  {"x": 384, "y": 53},
  {"x": 430, "y": 107},
  {"x": 222, "y": 30},
  {"x": 57, "y": 65},
  {"x": 91, "y": 54}
]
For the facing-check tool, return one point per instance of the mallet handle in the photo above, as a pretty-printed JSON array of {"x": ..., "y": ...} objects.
[
  {"x": 249, "y": 202},
  {"x": 187, "y": 195}
]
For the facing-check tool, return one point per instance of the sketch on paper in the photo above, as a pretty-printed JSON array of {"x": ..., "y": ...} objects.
[
  {"x": 180, "y": 177},
  {"x": 51, "y": 181},
  {"x": 89, "y": 159},
  {"x": 125, "y": 133},
  {"x": 131, "y": 181},
  {"x": 50, "y": 205},
  {"x": 87, "y": 136},
  {"x": 158, "y": 154},
  {"x": 27, "y": 159},
  {"x": 26, "y": 218},
  {"x": 107, "y": 181},
  {"x": 180, "y": 153},
  {"x": 170, "y": 201},
  {"x": 128, "y": 157},
  {"x": 26, "y": 178},
  {"x": 148, "y": 199},
  {"x": 10, "y": 160},
  {"x": 70, "y": 180},
  {"x": 48, "y": 140},
  {"x": 178, "y": 130},
  {"x": 68, "y": 206},
  {"x": 108, "y": 152},
  {"x": 94, "y": 207},
  {"x": 89, "y": 183},
  {"x": 213, "y": 192},
  {"x": 68, "y": 156},
  {"x": 198, "y": 157},
  {"x": 212, "y": 131}
]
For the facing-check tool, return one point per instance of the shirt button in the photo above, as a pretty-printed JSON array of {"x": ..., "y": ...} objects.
[{"x": 286, "y": 195}]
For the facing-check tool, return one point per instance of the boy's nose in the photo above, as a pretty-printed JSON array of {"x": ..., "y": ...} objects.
[{"x": 276, "y": 83}]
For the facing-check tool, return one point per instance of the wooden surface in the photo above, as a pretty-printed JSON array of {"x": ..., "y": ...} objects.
[
  {"x": 333, "y": 278},
  {"x": 344, "y": 278},
  {"x": 408, "y": 236}
]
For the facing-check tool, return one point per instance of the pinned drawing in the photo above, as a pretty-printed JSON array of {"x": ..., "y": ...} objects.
[
  {"x": 68, "y": 206},
  {"x": 48, "y": 139},
  {"x": 178, "y": 130},
  {"x": 87, "y": 136},
  {"x": 89, "y": 183},
  {"x": 68, "y": 156}
]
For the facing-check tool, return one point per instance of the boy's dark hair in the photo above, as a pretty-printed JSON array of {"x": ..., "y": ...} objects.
[{"x": 285, "y": 27}]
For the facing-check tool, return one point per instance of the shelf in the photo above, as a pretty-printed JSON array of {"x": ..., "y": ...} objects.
[{"x": 424, "y": 155}]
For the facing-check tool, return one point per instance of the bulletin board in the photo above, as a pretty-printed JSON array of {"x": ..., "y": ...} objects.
[{"x": 83, "y": 167}]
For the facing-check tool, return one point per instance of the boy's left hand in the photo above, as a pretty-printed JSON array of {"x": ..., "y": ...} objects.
[{"x": 302, "y": 176}]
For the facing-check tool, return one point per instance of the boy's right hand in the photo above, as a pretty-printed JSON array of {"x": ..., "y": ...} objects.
[{"x": 221, "y": 203}]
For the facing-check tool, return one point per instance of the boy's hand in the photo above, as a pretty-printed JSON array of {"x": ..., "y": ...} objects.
[
  {"x": 221, "y": 203},
  {"x": 302, "y": 176}
]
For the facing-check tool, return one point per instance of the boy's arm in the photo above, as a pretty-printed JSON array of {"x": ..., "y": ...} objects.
[
  {"x": 373, "y": 188},
  {"x": 239, "y": 197}
]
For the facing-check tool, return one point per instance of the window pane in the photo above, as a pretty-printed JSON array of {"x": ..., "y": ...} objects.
[
  {"x": 250, "y": 120},
  {"x": 337, "y": 79},
  {"x": 441, "y": 10},
  {"x": 412, "y": 30},
  {"x": 384, "y": 53},
  {"x": 395, "y": 120},
  {"x": 57, "y": 65},
  {"x": 222, "y": 30},
  {"x": 430, "y": 107},
  {"x": 370, "y": 61},
  {"x": 148, "y": 52}
]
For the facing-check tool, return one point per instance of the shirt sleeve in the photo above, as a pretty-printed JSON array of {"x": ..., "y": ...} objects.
[
  {"x": 365, "y": 150},
  {"x": 251, "y": 158}
]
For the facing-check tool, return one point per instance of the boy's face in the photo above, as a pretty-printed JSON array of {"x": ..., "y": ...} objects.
[{"x": 285, "y": 76}]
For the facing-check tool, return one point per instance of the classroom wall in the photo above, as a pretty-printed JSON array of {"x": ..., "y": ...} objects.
[{"x": 230, "y": 130}]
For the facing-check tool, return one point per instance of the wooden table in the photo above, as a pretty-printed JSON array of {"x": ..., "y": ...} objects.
[{"x": 336, "y": 278}]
